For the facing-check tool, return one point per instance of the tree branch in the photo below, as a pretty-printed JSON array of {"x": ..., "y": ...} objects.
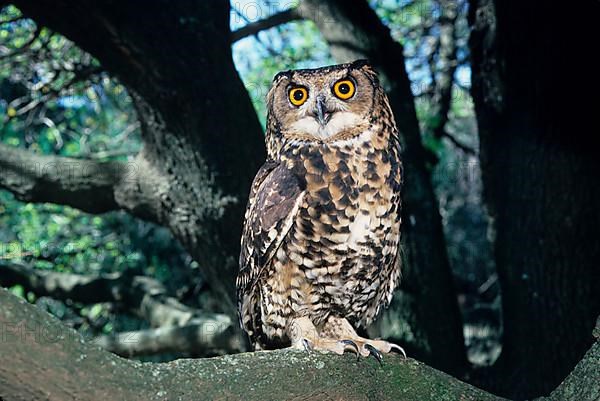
[
  {"x": 50, "y": 362},
  {"x": 272, "y": 21},
  {"x": 84, "y": 184},
  {"x": 202, "y": 336},
  {"x": 63, "y": 286},
  {"x": 582, "y": 382},
  {"x": 178, "y": 328},
  {"x": 89, "y": 185},
  {"x": 465, "y": 148},
  {"x": 140, "y": 295}
]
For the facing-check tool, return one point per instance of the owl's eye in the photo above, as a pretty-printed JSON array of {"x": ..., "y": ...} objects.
[
  {"x": 344, "y": 89},
  {"x": 298, "y": 95}
]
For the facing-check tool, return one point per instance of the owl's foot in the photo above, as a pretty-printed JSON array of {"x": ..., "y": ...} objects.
[
  {"x": 357, "y": 345},
  {"x": 375, "y": 348},
  {"x": 340, "y": 328},
  {"x": 337, "y": 336},
  {"x": 329, "y": 345},
  {"x": 304, "y": 335}
]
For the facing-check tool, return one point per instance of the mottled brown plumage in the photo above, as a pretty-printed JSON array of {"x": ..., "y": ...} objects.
[{"x": 320, "y": 246}]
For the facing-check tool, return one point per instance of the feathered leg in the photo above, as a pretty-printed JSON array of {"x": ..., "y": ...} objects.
[{"x": 304, "y": 335}]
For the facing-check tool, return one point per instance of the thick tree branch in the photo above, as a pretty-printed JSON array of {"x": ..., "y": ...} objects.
[
  {"x": 540, "y": 171},
  {"x": 62, "y": 286},
  {"x": 50, "y": 362},
  {"x": 84, "y": 184},
  {"x": 89, "y": 185},
  {"x": 272, "y": 21}
]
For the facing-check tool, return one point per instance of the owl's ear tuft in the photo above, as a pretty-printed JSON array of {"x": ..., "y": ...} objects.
[
  {"x": 360, "y": 63},
  {"x": 366, "y": 67},
  {"x": 283, "y": 74}
]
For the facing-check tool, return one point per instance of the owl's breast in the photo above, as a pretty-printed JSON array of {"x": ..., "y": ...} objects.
[
  {"x": 351, "y": 204},
  {"x": 341, "y": 250}
]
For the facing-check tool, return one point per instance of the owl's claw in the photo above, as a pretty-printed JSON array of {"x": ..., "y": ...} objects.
[
  {"x": 327, "y": 345},
  {"x": 398, "y": 349},
  {"x": 353, "y": 345},
  {"x": 374, "y": 352},
  {"x": 307, "y": 345}
]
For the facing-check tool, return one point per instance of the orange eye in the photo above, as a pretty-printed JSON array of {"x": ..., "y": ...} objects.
[
  {"x": 298, "y": 95},
  {"x": 344, "y": 89}
]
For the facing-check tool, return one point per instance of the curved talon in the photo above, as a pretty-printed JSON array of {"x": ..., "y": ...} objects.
[
  {"x": 375, "y": 352},
  {"x": 399, "y": 349},
  {"x": 307, "y": 345},
  {"x": 354, "y": 347}
]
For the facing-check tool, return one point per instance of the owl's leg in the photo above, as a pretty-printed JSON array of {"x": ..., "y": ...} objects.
[
  {"x": 304, "y": 335},
  {"x": 341, "y": 329}
]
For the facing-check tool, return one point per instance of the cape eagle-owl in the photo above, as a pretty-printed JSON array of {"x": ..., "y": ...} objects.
[{"x": 320, "y": 245}]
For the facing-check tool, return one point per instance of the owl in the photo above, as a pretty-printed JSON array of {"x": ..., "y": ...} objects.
[{"x": 320, "y": 244}]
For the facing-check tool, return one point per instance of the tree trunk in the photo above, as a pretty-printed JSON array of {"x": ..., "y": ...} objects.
[
  {"x": 540, "y": 175},
  {"x": 202, "y": 142},
  {"x": 427, "y": 304}
]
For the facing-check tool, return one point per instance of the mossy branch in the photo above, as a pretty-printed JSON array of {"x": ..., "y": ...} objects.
[{"x": 44, "y": 360}]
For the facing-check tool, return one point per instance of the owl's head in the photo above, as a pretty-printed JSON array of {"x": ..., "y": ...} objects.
[{"x": 323, "y": 104}]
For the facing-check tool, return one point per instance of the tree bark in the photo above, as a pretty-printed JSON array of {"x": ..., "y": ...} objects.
[
  {"x": 88, "y": 185},
  {"x": 427, "y": 303},
  {"x": 540, "y": 174},
  {"x": 202, "y": 142},
  {"x": 583, "y": 383},
  {"x": 51, "y": 362}
]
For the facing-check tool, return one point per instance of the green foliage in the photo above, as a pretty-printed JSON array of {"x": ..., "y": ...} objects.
[
  {"x": 55, "y": 99},
  {"x": 67, "y": 240}
]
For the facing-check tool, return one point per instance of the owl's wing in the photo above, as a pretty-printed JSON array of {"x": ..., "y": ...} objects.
[{"x": 275, "y": 198}]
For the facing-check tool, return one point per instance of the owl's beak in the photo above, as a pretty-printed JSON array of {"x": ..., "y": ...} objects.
[{"x": 321, "y": 114}]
